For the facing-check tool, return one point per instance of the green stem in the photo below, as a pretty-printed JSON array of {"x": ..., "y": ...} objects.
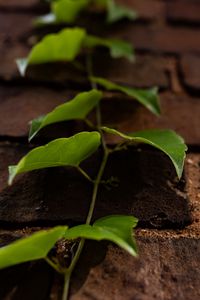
[
  {"x": 53, "y": 265},
  {"x": 66, "y": 285},
  {"x": 94, "y": 193},
  {"x": 85, "y": 174}
]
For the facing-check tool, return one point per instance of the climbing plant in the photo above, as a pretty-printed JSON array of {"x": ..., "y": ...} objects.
[{"x": 66, "y": 46}]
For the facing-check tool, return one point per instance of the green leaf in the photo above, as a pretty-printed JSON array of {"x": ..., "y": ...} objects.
[
  {"x": 61, "y": 152},
  {"x": 78, "y": 108},
  {"x": 67, "y": 44},
  {"x": 63, "y": 46},
  {"x": 147, "y": 97},
  {"x": 165, "y": 140},
  {"x": 116, "y": 12},
  {"x": 117, "y": 229},
  {"x": 63, "y": 11},
  {"x": 117, "y": 48},
  {"x": 68, "y": 10},
  {"x": 34, "y": 247}
]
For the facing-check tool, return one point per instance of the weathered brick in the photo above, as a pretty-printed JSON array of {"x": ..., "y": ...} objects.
[
  {"x": 15, "y": 27},
  {"x": 45, "y": 196},
  {"x": 147, "y": 9},
  {"x": 190, "y": 68},
  {"x": 159, "y": 38},
  {"x": 183, "y": 11},
  {"x": 28, "y": 6},
  {"x": 19, "y": 105},
  {"x": 167, "y": 268},
  {"x": 146, "y": 71},
  {"x": 179, "y": 112}
]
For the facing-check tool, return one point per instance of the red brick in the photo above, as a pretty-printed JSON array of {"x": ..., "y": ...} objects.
[
  {"x": 19, "y": 105},
  {"x": 183, "y": 11},
  {"x": 159, "y": 38},
  {"x": 179, "y": 112},
  {"x": 20, "y": 5},
  {"x": 146, "y": 9},
  {"x": 190, "y": 67},
  {"x": 167, "y": 268},
  {"x": 15, "y": 27},
  {"x": 146, "y": 71}
]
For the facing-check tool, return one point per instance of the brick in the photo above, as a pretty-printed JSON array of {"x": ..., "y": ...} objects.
[
  {"x": 190, "y": 68},
  {"x": 43, "y": 196},
  {"x": 183, "y": 11},
  {"x": 19, "y": 105},
  {"x": 146, "y": 71},
  {"x": 146, "y": 9},
  {"x": 175, "y": 109},
  {"x": 166, "y": 269},
  {"x": 15, "y": 27},
  {"x": 159, "y": 38},
  {"x": 18, "y": 3}
]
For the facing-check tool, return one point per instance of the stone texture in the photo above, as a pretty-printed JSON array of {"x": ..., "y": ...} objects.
[
  {"x": 183, "y": 11},
  {"x": 190, "y": 68},
  {"x": 159, "y": 38},
  {"x": 56, "y": 194},
  {"x": 19, "y": 105},
  {"x": 166, "y": 269}
]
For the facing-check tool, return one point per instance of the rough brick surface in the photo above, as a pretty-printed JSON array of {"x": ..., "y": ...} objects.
[
  {"x": 155, "y": 275},
  {"x": 190, "y": 68},
  {"x": 167, "y": 42},
  {"x": 160, "y": 38},
  {"x": 19, "y": 105},
  {"x": 18, "y": 3},
  {"x": 183, "y": 11},
  {"x": 44, "y": 195}
]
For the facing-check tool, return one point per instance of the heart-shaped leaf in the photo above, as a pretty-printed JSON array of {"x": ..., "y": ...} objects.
[
  {"x": 67, "y": 44},
  {"x": 147, "y": 97},
  {"x": 117, "y": 229},
  {"x": 33, "y": 247},
  {"x": 62, "y": 46},
  {"x": 77, "y": 108},
  {"x": 165, "y": 140},
  {"x": 61, "y": 152},
  {"x": 117, "y": 12}
]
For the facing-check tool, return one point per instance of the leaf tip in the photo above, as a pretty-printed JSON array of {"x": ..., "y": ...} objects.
[
  {"x": 12, "y": 173},
  {"x": 22, "y": 64}
]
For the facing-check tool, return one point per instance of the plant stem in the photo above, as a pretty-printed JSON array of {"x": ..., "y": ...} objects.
[
  {"x": 97, "y": 182},
  {"x": 66, "y": 285},
  {"x": 53, "y": 265},
  {"x": 85, "y": 174}
]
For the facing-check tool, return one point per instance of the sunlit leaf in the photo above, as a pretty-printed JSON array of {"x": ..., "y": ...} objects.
[
  {"x": 78, "y": 108},
  {"x": 33, "y": 247},
  {"x": 116, "y": 12},
  {"x": 68, "y": 10},
  {"x": 147, "y": 97},
  {"x": 62, "y": 46},
  {"x": 63, "y": 11},
  {"x": 165, "y": 140},
  {"x": 117, "y": 229},
  {"x": 117, "y": 48},
  {"x": 67, "y": 44},
  {"x": 61, "y": 152}
]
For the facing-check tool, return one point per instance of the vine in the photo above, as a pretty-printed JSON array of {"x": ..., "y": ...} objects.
[{"x": 66, "y": 45}]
